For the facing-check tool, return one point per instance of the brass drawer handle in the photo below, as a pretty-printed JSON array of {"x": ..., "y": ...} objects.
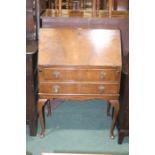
[
  {"x": 101, "y": 88},
  {"x": 56, "y": 74},
  {"x": 102, "y": 75},
  {"x": 55, "y": 88}
]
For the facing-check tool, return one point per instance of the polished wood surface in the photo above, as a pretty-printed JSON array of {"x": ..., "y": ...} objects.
[
  {"x": 91, "y": 23},
  {"x": 79, "y": 88},
  {"x": 79, "y": 47},
  {"x": 70, "y": 74},
  {"x": 77, "y": 63}
]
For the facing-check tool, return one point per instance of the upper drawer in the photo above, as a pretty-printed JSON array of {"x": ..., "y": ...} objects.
[{"x": 68, "y": 74}]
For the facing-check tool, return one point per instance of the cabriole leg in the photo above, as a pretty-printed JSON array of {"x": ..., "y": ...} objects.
[
  {"x": 41, "y": 103},
  {"x": 115, "y": 105}
]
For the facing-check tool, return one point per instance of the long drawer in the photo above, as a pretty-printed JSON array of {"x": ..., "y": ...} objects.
[
  {"x": 79, "y": 88},
  {"x": 69, "y": 74}
]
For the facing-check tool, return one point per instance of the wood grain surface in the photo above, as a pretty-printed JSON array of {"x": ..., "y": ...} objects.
[{"x": 79, "y": 47}]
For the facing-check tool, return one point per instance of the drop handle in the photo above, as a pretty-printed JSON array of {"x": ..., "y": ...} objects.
[
  {"x": 101, "y": 88},
  {"x": 56, "y": 88},
  {"x": 102, "y": 75},
  {"x": 56, "y": 74}
]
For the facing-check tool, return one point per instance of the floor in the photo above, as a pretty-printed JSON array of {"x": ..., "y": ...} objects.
[{"x": 77, "y": 127}]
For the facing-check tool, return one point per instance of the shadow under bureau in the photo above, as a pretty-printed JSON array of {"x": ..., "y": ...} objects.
[{"x": 76, "y": 63}]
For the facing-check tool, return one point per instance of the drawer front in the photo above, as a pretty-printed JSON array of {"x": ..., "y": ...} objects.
[
  {"x": 78, "y": 88},
  {"x": 80, "y": 74}
]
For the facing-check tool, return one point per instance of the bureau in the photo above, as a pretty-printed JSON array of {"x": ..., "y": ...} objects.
[{"x": 76, "y": 63}]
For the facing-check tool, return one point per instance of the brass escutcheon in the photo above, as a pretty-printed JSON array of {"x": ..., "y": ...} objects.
[
  {"x": 56, "y": 74},
  {"x": 56, "y": 88},
  {"x": 101, "y": 88},
  {"x": 102, "y": 75}
]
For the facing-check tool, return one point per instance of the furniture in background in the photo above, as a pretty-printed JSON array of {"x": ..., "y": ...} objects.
[
  {"x": 40, "y": 6},
  {"x": 31, "y": 57},
  {"x": 33, "y": 10},
  {"x": 69, "y": 71},
  {"x": 88, "y": 8},
  {"x": 31, "y": 85},
  {"x": 121, "y": 5},
  {"x": 31, "y": 18},
  {"x": 124, "y": 101}
]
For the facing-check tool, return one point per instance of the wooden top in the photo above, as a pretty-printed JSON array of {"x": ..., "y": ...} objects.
[{"x": 79, "y": 47}]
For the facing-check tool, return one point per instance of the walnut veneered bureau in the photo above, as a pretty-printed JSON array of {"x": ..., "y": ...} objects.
[{"x": 75, "y": 63}]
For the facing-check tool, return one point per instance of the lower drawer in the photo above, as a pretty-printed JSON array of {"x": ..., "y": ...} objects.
[{"x": 78, "y": 88}]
